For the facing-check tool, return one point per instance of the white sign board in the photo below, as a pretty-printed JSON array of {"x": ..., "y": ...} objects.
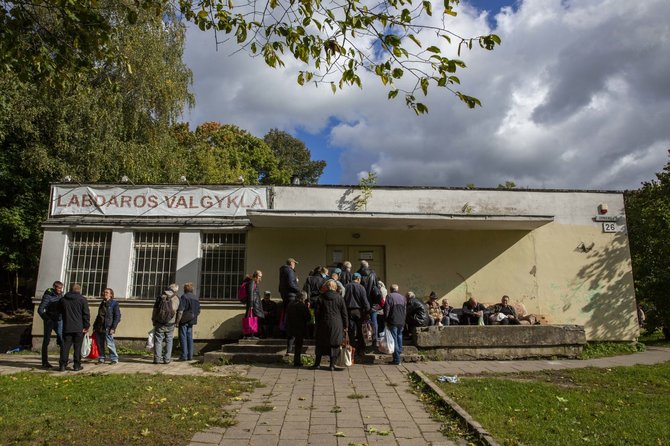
[
  {"x": 157, "y": 201},
  {"x": 610, "y": 227}
]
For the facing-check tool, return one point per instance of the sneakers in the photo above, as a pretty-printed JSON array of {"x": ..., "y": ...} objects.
[
  {"x": 47, "y": 366},
  {"x": 113, "y": 362}
]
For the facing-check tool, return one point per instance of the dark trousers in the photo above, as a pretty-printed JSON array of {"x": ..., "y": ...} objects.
[
  {"x": 298, "y": 350},
  {"x": 70, "y": 339},
  {"x": 356, "y": 330},
  {"x": 50, "y": 326}
]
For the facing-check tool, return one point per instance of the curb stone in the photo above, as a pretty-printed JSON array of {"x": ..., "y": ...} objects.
[{"x": 482, "y": 433}]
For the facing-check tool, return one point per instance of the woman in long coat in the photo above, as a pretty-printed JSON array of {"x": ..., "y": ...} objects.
[
  {"x": 331, "y": 324},
  {"x": 254, "y": 297}
]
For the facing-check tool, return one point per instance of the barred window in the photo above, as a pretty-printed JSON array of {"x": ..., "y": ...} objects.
[
  {"x": 155, "y": 262},
  {"x": 222, "y": 268},
  {"x": 88, "y": 261}
]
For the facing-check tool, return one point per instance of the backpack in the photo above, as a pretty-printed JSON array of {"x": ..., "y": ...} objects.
[
  {"x": 165, "y": 313},
  {"x": 243, "y": 291}
]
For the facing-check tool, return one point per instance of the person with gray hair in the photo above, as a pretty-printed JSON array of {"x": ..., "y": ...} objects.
[
  {"x": 164, "y": 317},
  {"x": 76, "y": 317},
  {"x": 394, "y": 311}
]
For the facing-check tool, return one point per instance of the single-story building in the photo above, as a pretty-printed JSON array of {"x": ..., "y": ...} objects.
[{"x": 563, "y": 254}]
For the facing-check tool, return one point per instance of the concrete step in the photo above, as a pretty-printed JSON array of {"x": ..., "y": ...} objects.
[{"x": 253, "y": 356}]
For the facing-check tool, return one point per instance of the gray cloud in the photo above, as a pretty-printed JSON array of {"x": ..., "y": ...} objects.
[{"x": 576, "y": 97}]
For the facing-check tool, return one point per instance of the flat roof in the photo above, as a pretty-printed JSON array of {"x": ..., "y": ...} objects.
[{"x": 392, "y": 220}]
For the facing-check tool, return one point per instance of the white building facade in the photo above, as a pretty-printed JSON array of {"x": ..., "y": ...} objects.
[{"x": 563, "y": 254}]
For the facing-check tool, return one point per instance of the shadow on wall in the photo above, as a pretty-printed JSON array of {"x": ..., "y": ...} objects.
[
  {"x": 463, "y": 254},
  {"x": 230, "y": 328},
  {"x": 609, "y": 279}
]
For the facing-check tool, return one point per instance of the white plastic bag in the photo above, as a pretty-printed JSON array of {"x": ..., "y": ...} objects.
[
  {"x": 150, "y": 341},
  {"x": 86, "y": 345},
  {"x": 345, "y": 357},
  {"x": 386, "y": 343}
]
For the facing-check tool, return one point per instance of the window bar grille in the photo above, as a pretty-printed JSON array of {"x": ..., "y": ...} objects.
[{"x": 88, "y": 261}]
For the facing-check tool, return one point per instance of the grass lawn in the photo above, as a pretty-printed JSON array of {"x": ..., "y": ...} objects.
[
  {"x": 44, "y": 408},
  {"x": 619, "y": 406}
]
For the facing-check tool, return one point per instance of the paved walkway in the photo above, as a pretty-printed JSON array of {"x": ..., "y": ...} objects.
[{"x": 312, "y": 406}]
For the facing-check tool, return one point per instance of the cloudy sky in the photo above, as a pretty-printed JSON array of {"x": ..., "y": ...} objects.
[{"x": 577, "y": 96}]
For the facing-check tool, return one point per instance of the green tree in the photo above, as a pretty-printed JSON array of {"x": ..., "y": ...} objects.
[
  {"x": 227, "y": 154},
  {"x": 648, "y": 220},
  {"x": 294, "y": 156},
  {"x": 111, "y": 122},
  {"x": 336, "y": 39},
  {"x": 507, "y": 185}
]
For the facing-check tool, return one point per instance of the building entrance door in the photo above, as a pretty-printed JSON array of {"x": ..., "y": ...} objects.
[{"x": 375, "y": 256}]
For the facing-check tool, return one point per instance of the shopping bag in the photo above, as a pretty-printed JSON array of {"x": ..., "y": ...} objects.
[
  {"x": 150, "y": 341},
  {"x": 346, "y": 356},
  {"x": 95, "y": 351},
  {"x": 367, "y": 332},
  {"x": 386, "y": 342},
  {"x": 249, "y": 324},
  {"x": 86, "y": 345}
]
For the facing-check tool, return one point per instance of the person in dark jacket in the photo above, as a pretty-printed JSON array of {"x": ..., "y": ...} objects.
[
  {"x": 395, "y": 311},
  {"x": 347, "y": 276},
  {"x": 288, "y": 282},
  {"x": 473, "y": 312},
  {"x": 417, "y": 312},
  {"x": 504, "y": 314},
  {"x": 297, "y": 318},
  {"x": 449, "y": 316},
  {"x": 104, "y": 327},
  {"x": 187, "y": 317},
  {"x": 370, "y": 282},
  {"x": 331, "y": 324},
  {"x": 358, "y": 309},
  {"x": 50, "y": 314},
  {"x": 254, "y": 298},
  {"x": 76, "y": 321},
  {"x": 269, "y": 320},
  {"x": 313, "y": 284}
]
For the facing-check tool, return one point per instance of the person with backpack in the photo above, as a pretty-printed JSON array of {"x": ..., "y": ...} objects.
[
  {"x": 187, "y": 317},
  {"x": 164, "y": 317}
]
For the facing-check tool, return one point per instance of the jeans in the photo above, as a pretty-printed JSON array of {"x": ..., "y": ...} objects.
[
  {"x": 163, "y": 332},
  {"x": 396, "y": 334},
  {"x": 186, "y": 341},
  {"x": 106, "y": 339},
  {"x": 49, "y": 326},
  {"x": 70, "y": 339},
  {"x": 377, "y": 325}
]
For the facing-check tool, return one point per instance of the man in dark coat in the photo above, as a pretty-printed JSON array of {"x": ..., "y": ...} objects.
[
  {"x": 297, "y": 318},
  {"x": 313, "y": 284},
  {"x": 76, "y": 321},
  {"x": 370, "y": 282},
  {"x": 473, "y": 312},
  {"x": 417, "y": 312},
  {"x": 331, "y": 323},
  {"x": 347, "y": 276},
  {"x": 104, "y": 327},
  {"x": 288, "y": 282},
  {"x": 358, "y": 308},
  {"x": 50, "y": 314}
]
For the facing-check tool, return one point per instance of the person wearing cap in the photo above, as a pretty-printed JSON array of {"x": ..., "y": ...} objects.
[
  {"x": 358, "y": 308},
  {"x": 269, "y": 319},
  {"x": 335, "y": 275}
]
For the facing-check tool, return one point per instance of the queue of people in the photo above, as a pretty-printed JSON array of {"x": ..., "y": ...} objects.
[{"x": 333, "y": 307}]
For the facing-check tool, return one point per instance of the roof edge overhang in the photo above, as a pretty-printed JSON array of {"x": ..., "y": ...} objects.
[{"x": 392, "y": 220}]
